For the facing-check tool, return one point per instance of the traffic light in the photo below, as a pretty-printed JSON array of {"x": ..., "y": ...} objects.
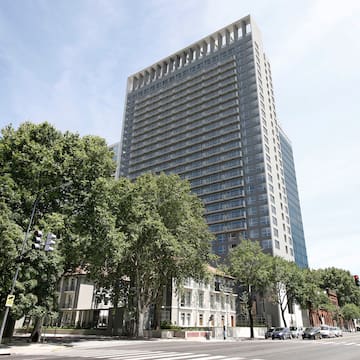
[
  {"x": 357, "y": 281},
  {"x": 36, "y": 239},
  {"x": 50, "y": 241}
]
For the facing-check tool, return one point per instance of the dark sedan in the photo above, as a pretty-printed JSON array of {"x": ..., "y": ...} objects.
[
  {"x": 269, "y": 332},
  {"x": 281, "y": 333},
  {"x": 311, "y": 333}
]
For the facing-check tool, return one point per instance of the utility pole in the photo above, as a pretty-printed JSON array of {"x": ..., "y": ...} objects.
[
  {"x": 50, "y": 241},
  {"x": 7, "y": 308}
]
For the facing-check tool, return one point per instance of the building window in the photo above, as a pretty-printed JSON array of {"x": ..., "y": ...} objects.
[
  {"x": 201, "y": 319},
  {"x": 266, "y": 232},
  {"x": 266, "y": 244},
  {"x": 254, "y": 233},
  {"x": 182, "y": 300},
  {"x": 232, "y": 303},
  {"x": 277, "y": 244},
  {"x": 212, "y": 301},
  {"x": 201, "y": 299},
  {"x": 188, "y": 298},
  {"x": 276, "y": 232},
  {"x": 182, "y": 319},
  {"x": 188, "y": 319}
]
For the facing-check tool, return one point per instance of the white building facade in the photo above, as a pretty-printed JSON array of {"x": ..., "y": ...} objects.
[{"x": 195, "y": 304}]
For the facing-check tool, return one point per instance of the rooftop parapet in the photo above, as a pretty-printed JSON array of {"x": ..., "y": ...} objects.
[{"x": 186, "y": 56}]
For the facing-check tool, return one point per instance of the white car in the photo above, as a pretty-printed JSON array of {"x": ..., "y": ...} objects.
[
  {"x": 326, "y": 332},
  {"x": 296, "y": 332},
  {"x": 337, "y": 331}
]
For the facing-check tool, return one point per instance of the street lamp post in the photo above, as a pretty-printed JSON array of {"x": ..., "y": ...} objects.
[{"x": 7, "y": 308}]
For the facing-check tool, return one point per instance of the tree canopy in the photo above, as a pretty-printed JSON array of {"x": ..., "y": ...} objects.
[
  {"x": 251, "y": 268},
  {"x": 163, "y": 233},
  {"x": 342, "y": 282},
  {"x": 57, "y": 170},
  {"x": 143, "y": 233},
  {"x": 149, "y": 231},
  {"x": 286, "y": 284}
]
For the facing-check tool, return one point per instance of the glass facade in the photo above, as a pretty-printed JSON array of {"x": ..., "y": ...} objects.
[
  {"x": 297, "y": 230},
  {"x": 207, "y": 113}
]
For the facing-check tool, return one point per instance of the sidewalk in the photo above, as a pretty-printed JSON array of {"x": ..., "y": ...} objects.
[
  {"x": 50, "y": 344},
  {"x": 33, "y": 348},
  {"x": 20, "y": 345}
]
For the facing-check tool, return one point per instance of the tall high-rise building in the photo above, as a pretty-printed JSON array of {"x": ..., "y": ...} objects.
[
  {"x": 207, "y": 113},
  {"x": 297, "y": 230}
]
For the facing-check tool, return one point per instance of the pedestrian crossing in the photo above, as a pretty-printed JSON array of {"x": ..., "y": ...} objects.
[
  {"x": 112, "y": 354},
  {"x": 337, "y": 343}
]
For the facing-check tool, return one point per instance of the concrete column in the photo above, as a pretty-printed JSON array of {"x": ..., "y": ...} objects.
[
  {"x": 177, "y": 62},
  {"x": 141, "y": 80},
  {"x": 191, "y": 54},
  {"x": 197, "y": 52},
  {"x": 152, "y": 74},
  {"x": 146, "y": 77},
  {"x": 158, "y": 71},
  {"x": 236, "y": 35},
  {"x": 243, "y": 28},
  {"x": 227, "y": 37},
  {"x": 219, "y": 39},
  {"x": 171, "y": 65},
  {"x": 184, "y": 58},
  {"x": 164, "y": 68},
  {"x": 135, "y": 83},
  {"x": 212, "y": 44},
  {"x": 204, "y": 48}
]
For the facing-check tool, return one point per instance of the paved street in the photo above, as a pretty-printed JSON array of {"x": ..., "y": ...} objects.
[{"x": 346, "y": 348}]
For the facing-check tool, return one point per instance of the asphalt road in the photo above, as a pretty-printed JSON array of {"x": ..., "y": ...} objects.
[{"x": 345, "y": 348}]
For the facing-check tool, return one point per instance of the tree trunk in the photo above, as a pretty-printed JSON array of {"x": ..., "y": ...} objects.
[
  {"x": 157, "y": 314},
  {"x": 140, "y": 323},
  {"x": 310, "y": 312},
  {"x": 283, "y": 315},
  {"x": 36, "y": 333},
  {"x": 9, "y": 327},
  {"x": 251, "y": 319}
]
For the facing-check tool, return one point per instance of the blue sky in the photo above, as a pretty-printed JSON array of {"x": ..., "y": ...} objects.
[{"x": 67, "y": 62}]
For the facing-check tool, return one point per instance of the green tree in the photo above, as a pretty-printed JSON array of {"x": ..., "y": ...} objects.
[
  {"x": 342, "y": 282},
  {"x": 286, "y": 284},
  {"x": 350, "y": 312},
  {"x": 312, "y": 297},
  {"x": 58, "y": 170},
  {"x": 165, "y": 236},
  {"x": 251, "y": 267},
  {"x": 99, "y": 226}
]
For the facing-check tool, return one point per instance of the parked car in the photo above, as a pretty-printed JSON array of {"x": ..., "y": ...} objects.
[
  {"x": 325, "y": 331},
  {"x": 296, "y": 332},
  {"x": 311, "y": 333},
  {"x": 337, "y": 331},
  {"x": 281, "y": 333},
  {"x": 269, "y": 332}
]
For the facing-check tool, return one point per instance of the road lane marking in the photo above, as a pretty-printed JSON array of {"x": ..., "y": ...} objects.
[
  {"x": 144, "y": 356},
  {"x": 198, "y": 356},
  {"x": 122, "y": 354}
]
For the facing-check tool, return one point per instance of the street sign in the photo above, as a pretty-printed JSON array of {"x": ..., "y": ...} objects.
[{"x": 10, "y": 300}]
